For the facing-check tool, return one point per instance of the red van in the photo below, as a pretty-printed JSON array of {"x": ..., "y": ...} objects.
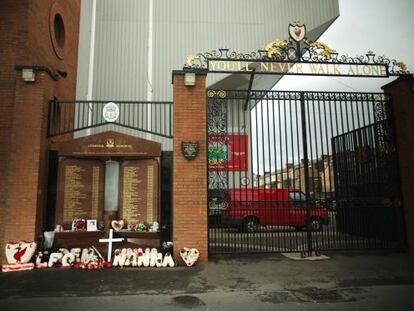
[{"x": 249, "y": 208}]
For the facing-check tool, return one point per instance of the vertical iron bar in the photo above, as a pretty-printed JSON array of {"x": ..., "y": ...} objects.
[
  {"x": 263, "y": 197},
  {"x": 85, "y": 112},
  {"x": 311, "y": 134},
  {"x": 357, "y": 110},
  {"x": 321, "y": 164},
  {"x": 134, "y": 107},
  {"x": 281, "y": 205},
  {"x": 299, "y": 170},
  {"x": 292, "y": 169},
  {"x": 329, "y": 159},
  {"x": 270, "y": 207},
  {"x": 143, "y": 108},
  {"x": 255, "y": 198},
  {"x": 226, "y": 165},
  {"x": 314, "y": 161},
  {"x": 230, "y": 133},
  {"x": 129, "y": 113},
  {"x": 286, "y": 205},
  {"x": 78, "y": 108},
  {"x": 164, "y": 114},
  {"x": 250, "y": 135},
  {"x": 170, "y": 119},
  {"x": 306, "y": 172},
  {"x": 335, "y": 171},
  {"x": 276, "y": 203},
  {"x": 239, "y": 132}
]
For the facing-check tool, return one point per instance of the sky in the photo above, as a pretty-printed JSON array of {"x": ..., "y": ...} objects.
[{"x": 382, "y": 26}]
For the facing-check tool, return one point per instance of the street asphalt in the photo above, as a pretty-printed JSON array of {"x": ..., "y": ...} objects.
[{"x": 346, "y": 281}]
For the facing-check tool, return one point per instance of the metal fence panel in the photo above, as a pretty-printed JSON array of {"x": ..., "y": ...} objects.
[{"x": 275, "y": 179}]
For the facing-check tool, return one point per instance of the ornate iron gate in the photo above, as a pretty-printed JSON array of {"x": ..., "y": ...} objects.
[{"x": 277, "y": 172}]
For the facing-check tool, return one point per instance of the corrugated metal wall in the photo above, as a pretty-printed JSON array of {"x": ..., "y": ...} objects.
[
  {"x": 121, "y": 50},
  {"x": 181, "y": 28}
]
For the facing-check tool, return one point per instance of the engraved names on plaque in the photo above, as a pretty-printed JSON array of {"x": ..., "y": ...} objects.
[
  {"x": 95, "y": 192},
  {"x": 81, "y": 190},
  {"x": 139, "y": 191},
  {"x": 150, "y": 194},
  {"x": 74, "y": 192},
  {"x": 131, "y": 197}
]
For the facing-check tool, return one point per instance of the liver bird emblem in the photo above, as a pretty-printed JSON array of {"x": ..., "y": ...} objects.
[{"x": 19, "y": 253}]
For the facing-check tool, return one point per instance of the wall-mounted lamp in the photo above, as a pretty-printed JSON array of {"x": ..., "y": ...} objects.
[
  {"x": 28, "y": 75},
  {"x": 29, "y": 72},
  {"x": 189, "y": 79}
]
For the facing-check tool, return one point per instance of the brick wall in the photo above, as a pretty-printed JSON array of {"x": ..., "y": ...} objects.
[
  {"x": 10, "y": 39},
  {"x": 26, "y": 40},
  {"x": 26, "y": 160},
  {"x": 401, "y": 92},
  {"x": 189, "y": 177}
]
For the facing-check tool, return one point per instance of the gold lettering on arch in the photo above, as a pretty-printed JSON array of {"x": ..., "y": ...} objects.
[{"x": 298, "y": 68}]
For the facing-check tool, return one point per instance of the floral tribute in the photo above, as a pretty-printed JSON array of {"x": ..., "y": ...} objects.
[{"x": 18, "y": 256}]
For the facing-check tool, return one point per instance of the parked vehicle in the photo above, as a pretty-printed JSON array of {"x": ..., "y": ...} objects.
[
  {"x": 328, "y": 202},
  {"x": 249, "y": 208}
]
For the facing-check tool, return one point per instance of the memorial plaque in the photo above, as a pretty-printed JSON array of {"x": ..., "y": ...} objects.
[
  {"x": 139, "y": 191},
  {"x": 190, "y": 149},
  {"x": 109, "y": 144},
  {"x": 80, "y": 190}
]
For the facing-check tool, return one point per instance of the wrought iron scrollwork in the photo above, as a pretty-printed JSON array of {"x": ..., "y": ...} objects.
[
  {"x": 216, "y": 117},
  {"x": 199, "y": 61},
  {"x": 291, "y": 51},
  {"x": 380, "y": 108},
  {"x": 217, "y": 128},
  {"x": 219, "y": 94},
  {"x": 218, "y": 180}
]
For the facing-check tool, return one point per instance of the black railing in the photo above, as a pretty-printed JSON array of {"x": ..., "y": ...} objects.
[
  {"x": 148, "y": 117},
  {"x": 281, "y": 149},
  {"x": 367, "y": 183}
]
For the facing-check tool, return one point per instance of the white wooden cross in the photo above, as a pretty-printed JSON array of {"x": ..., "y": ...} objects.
[{"x": 110, "y": 240}]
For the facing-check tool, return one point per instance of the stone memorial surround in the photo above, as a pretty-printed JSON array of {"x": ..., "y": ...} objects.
[{"x": 80, "y": 183}]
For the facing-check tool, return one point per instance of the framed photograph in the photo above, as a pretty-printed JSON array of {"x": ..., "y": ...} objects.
[
  {"x": 78, "y": 224},
  {"x": 91, "y": 225}
]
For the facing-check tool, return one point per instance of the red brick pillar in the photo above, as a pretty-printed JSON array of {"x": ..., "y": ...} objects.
[
  {"x": 27, "y": 168},
  {"x": 401, "y": 92},
  {"x": 190, "y": 177}
]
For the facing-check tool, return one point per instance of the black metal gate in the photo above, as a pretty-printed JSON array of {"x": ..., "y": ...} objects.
[{"x": 301, "y": 171}]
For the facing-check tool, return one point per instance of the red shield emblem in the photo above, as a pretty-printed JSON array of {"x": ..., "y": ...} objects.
[{"x": 297, "y": 32}]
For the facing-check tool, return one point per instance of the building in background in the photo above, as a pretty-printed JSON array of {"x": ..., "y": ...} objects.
[
  {"x": 321, "y": 177},
  {"x": 137, "y": 44}
]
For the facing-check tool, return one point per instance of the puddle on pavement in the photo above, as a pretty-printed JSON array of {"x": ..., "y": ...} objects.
[
  {"x": 311, "y": 294},
  {"x": 188, "y": 301},
  {"x": 277, "y": 297},
  {"x": 320, "y": 295}
]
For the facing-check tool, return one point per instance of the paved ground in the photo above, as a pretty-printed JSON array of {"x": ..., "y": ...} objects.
[
  {"x": 287, "y": 239},
  {"x": 256, "y": 282}
]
